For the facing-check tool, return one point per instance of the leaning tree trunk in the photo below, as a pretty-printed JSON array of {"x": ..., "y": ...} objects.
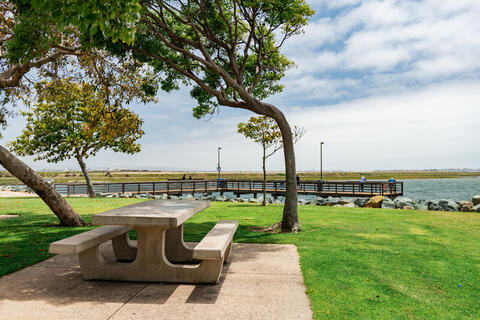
[
  {"x": 290, "y": 222},
  {"x": 264, "y": 203},
  {"x": 90, "y": 191},
  {"x": 60, "y": 207}
]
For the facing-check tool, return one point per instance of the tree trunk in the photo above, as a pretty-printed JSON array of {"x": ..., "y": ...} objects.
[
  {"x": 60, "y": 207},
  {"x": 290, "y": 222},
  {"x": 90, "y": 191},
  {"x": 264, "y": 178}
]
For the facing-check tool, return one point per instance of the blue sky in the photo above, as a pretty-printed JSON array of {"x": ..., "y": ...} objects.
[{"x": 386, "y": 85}]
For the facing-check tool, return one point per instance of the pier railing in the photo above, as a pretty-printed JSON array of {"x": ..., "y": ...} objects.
[{"x": 274, "y": 187}]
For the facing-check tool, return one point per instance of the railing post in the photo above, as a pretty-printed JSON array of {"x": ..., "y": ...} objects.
[
  {"x": 68, "y": 190},
  {"x": 153, "y": 187}
]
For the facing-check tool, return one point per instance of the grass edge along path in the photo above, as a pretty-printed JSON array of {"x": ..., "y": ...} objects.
[{"x": 356, "y": 263}]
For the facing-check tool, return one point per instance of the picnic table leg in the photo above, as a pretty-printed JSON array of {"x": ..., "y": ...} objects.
[
  {"x": 227, "y": 253},
  {"x": 176, "y": 250},
  {"x": 124, "y": 248},
  {"x": 150, "y": 263}
]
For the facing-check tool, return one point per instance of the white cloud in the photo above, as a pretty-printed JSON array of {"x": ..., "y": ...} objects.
[{"x": 382, "y": 36}]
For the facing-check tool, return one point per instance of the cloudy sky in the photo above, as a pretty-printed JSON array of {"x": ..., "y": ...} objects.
[{"x": 385, "y": 84}]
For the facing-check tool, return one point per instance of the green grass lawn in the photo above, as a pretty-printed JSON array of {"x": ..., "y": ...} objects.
[{"x": 357, "y": 263}]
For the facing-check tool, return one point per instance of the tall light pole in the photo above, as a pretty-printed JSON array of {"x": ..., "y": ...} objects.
[
  {"x": 218, "y": 162},
  {"x": 321, "y": 160}
]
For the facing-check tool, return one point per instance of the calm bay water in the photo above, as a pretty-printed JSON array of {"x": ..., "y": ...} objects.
[
  {"x": 455, "y": 189},
  {"x": 431, "y": 189}
]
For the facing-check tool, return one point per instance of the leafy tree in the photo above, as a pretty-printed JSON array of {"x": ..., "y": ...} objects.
[
  {"x": 265, "y": 131},
  {"x": 74, "y": 120},
  {"x": 32, "y": 47},
  {"x": 227, "y": 50},
  {"x": 13, "y": 72}
]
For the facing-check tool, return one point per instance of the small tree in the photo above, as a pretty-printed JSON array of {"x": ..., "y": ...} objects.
[
  {"x": 265, "y": 131},
  {"x": 74, "y": 119}
]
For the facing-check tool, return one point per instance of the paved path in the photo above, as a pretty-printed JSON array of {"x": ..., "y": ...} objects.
[
  {"x": 10, "y": 194},
  {"x": 261, "y": 282}
]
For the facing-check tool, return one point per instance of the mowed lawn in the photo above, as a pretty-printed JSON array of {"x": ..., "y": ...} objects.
[{"x": 357, "y": 263}]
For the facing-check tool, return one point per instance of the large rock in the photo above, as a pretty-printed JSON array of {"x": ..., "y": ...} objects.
[
  {"x": 331, "y": 201},
  {"x": 477, "y": 208},
  {"x": 360, "y": 202},
  {"x": 253, "y": 200},
  {"x": 465, "y": 206},
  {"x": 434, "y": 206},
  {"x": 374, "y": 202},
  {"x": 349, "y": 205},
  {"x": 388, "y": 203},
  {"x": 303, "y": 202},
  {"x": 422, "y": 204},
  {"x": 211, "y": 197},
  {"x": 448, "y": 205},
  {"x": 476, "y": 200},
  {"x": 320, "y": 201},
  {"x": 404, "y": 203}
]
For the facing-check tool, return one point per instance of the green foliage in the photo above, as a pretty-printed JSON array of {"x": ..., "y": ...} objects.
[
  {"x": 262, "y": 130},
  {"x": 227, "y": 50},
  {"x": 74, "y": 120},
  {"x": 115, "y": 19},
  {"x": 265, "y": 131}
]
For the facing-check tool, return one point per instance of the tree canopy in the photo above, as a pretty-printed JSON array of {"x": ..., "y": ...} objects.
[
  {"x": 72, "y": 119},
  {"x": 228, "y": 51}
]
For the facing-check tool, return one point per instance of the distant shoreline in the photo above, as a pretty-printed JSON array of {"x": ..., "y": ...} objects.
[{"x": 134, "y": 176}]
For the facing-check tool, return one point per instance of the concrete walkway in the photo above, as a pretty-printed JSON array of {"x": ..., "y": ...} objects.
[{"x": 261, "y": 282}]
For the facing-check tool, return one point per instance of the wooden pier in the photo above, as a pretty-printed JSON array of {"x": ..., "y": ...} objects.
[{"x": 238, "y": 187}]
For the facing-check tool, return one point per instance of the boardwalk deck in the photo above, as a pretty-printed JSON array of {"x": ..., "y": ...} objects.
[{"x": 238, "y": 187}]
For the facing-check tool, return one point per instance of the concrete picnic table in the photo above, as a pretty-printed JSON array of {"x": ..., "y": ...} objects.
[{"x": 160, "y": 253}]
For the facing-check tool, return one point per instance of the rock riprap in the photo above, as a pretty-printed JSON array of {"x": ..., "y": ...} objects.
[{"x": 374, "y": 202}]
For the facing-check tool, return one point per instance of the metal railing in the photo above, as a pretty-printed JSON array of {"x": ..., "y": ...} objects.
[{"x": 276, "y": 187}]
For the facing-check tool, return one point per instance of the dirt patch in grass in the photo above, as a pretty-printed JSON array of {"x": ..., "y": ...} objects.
[
  {"x": 274, "y": 228},
  {"x": 8, "y": 216}
]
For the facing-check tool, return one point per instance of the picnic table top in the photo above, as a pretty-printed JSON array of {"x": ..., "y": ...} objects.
[{"x": 155, "y": 213}]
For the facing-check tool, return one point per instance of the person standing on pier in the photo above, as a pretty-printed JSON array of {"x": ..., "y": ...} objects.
[
  {"x": 362, "y": 182},
  {"x": 391, "y": 183}
]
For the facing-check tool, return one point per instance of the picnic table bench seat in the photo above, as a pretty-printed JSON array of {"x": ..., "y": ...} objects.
[
  {"x": 217, "y": 243},
  {"x": 83, "y": 241}
]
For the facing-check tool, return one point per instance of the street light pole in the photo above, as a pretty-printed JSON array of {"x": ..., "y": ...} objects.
[
  {"x": 218, "y": 163},
  {"x": 321, "y": 161}
]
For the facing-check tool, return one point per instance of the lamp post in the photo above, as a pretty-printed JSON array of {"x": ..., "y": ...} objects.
[
  {"x": 218, "y": 162},
  {"x": 321, "y": 161}
]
